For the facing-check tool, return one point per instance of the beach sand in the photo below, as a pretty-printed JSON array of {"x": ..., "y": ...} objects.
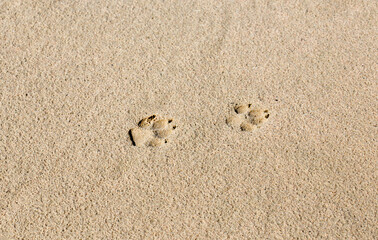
[{"x": 76, "y": 76}]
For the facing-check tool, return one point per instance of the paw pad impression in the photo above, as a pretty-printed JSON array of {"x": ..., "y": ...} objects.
[
  {"x": 247, "y": 118},
  {"x": 152, "y": 131}
]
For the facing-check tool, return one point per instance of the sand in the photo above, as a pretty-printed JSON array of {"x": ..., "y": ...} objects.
[{"x": 76, "y": 76}]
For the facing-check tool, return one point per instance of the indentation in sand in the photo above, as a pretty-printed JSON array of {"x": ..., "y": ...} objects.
[
  {"x": 247, "y": 117},
  {"x": 152, "y": 131}
]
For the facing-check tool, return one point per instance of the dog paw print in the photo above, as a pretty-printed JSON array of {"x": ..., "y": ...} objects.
[
  {"x": 248, "y": 118},
  {"x": 152, "y": 132}
]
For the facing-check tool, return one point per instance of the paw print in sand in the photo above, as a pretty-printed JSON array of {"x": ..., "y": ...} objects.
[
  {"x": 247, "y": 118},
  {"x": 152, "y": 132}
]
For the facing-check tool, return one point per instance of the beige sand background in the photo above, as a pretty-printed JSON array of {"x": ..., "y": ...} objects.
[{"x": 75, "y": 76}]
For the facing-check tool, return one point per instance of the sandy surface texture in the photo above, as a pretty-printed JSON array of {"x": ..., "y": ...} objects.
[{"x": 77, "y": 76}]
